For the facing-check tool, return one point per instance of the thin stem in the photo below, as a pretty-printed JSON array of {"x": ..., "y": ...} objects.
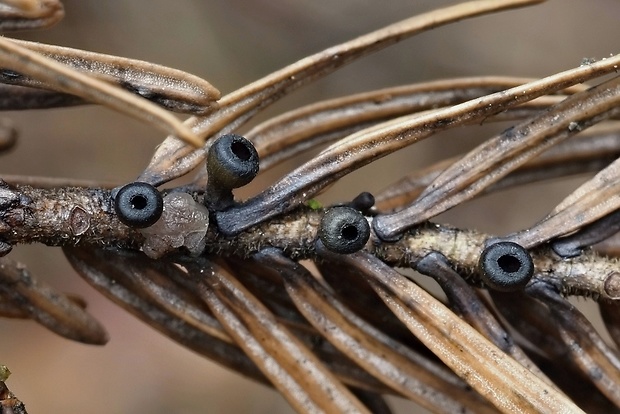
[{"x": 77, "y": 216}]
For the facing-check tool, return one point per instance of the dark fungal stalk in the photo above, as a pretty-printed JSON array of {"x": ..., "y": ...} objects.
[
  {"x": 364, "y": 202},
  {"x": 232, "y": 162}
]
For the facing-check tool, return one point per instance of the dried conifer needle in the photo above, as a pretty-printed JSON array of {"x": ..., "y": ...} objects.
[
  {"x": 531, "y": 319},
  {"x": 292, "y": 368},
  {"x": 286, "y": 136},
  {"x": 386, "y": 359},
  {"x": 504, "y": 382},
  {"x": 368, "y": 145},
  {"x": 594, "y": 200},
  {"x": 18, "y": 15},
  {"x": 14, "y": 98},
  {"x": 593, "y": 356},
  {"x": 48, "y": 307},
  {"x": 258, "y": 271},
  {"x": 497, "y": 157},
  {"x": 610, "y": 247},
  {"x": 170, "y": 88},
  {"x": 591, "y": 151},
  {"x": 610, "y": 312},
  {"x": 110, "y": 272},
  {"x": 594, "y": 233},
  {"x": 172, "y": 159},
  {"x": 67, "y": 80},
  {"x": 276, "y": 374},
  {"x": 168, "y": 286},
  {"x": 309, "y": 126},
  {"x": 55, "y": 182},
  {"x": 468, "y": 305},
  {"x": 8, "y": 309}
]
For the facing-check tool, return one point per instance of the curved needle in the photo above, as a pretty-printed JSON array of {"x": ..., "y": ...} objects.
[
  {"x": 293, "y": 369},
  {"x": 36, "y": 300},
  {"x": 391, "y": 362},
  {"x": 504, "y": 382},
  {"x": 499, "y": 156},
  {"x": 170, "y": 88},
  {"x": 17, "y": 15},
  {"x": 368, "y": 145},
  {"x": 591, "y": 151},
  {"x": 67, "y": 80},
  {"x": 302, "y": 129},
  {"x": 173, "y": 159},
  {"x": 597, "y": 198}
]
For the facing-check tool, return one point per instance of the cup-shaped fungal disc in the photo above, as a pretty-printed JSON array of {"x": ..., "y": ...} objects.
[
  {"x": 138, "y": 204},
  {"x": 232, "y": 161},
  {"x": 506, "y": 266},
  {"x": 344, "y": 230}
]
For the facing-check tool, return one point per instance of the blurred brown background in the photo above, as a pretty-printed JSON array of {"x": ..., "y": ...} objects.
[{"x": 231, "y": 43}]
